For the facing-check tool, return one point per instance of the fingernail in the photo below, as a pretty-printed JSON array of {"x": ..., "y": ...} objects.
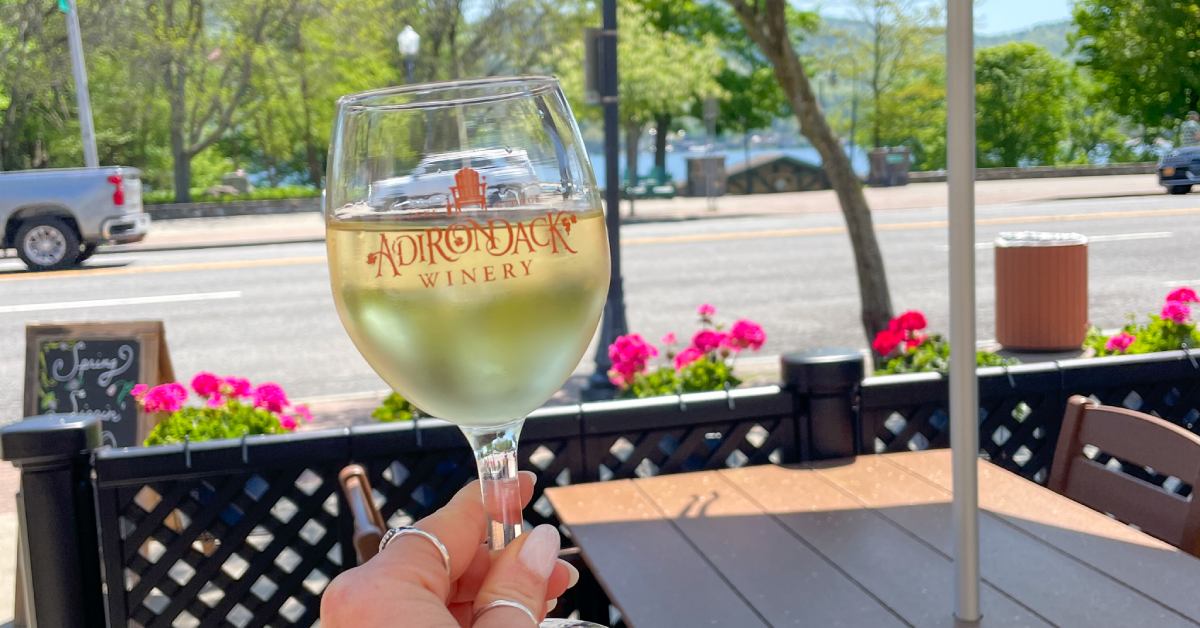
[
  {"x": 550, "y": 605},
  {"x": 572, "y": 573},
  {"x": 540, "y": 550},
  {"x": 531, "y": 475}
]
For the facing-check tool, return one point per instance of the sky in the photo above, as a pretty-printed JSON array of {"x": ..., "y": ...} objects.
[{"x": 991, "y": 16}]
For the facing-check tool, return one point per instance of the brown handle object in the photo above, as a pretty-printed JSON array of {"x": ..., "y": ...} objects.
[{"x": 368, "y": 523}]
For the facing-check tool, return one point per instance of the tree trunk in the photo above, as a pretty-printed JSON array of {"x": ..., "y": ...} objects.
[
  {"x": 182, "y": 165},
  {"x": 662, "y": 126},
  {"x": 633, "y": 135},
  {"x": 768, "y": 28}
]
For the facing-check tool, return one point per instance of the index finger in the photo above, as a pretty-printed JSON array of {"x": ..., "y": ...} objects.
[{"x": 461, "y": 527}]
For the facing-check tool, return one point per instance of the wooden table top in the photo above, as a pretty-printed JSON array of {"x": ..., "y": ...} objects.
[{"x": 865, "y": 542}]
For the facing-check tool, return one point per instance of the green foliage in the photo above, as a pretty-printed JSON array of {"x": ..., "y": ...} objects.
[
  {"x": 660, "y": 72},
  {"x": 200, "y": 195},
  {"x": 933, "y": 354},
  {"x": 1021, "y": 105},
  {"x": 232, "y": 420},
  {"x": 704, "y": 374},
  {"x": 1143, "y": 53},
  {"x": 393, "y": 408},
  {"x": 1154, "y": 335},
  {"x": 752, "y": 98}
]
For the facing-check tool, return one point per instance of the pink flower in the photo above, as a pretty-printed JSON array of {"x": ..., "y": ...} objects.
[
  {"x": 165, "y": 398},
  {"x": 617, "y": 378},
  {"x": 1183, "y": 295},
  {"x": 914, "y": 341},
  {"x": 206, "y": 384},
  {"x": 886, "y": 341},
  {"x": 236, "y": 387},
  {"x": 746, "y": 334},
  {"x": 288, "y": 423},
  {"x": 270, "y": 397},
  {"x": 669, "y": 339},
  {"x": 629, "y": 354},
  {"x": 139, "y": 390},
  {"x": 706, "y": 310},
  {"x": 912, "y": 320},
  {"x": 687, "y": 356},
  {"x": 1120, "y": 342},
  {"x": 303, "y": 412},
  {"x": 1177, "y": 311},
  {"x": 707, "y": 340}
]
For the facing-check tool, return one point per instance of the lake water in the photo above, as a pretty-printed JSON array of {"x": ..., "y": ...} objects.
[{"x": 677, "y": 160}]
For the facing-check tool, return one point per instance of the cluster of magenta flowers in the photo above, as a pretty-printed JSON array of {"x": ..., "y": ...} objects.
[
  {"x": 216, "y": 392},
  {"x": 1176, "y": 309},
  {"x": 631, "y": 354}
]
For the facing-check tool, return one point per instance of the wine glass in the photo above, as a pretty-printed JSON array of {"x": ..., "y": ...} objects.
[{"x": 468, "y": 256}]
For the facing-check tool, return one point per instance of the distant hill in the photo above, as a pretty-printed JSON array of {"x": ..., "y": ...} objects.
[{"x": 1050, "y": 35}]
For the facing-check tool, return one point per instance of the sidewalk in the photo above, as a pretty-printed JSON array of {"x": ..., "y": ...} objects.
[{"x": 308, "y": 226}]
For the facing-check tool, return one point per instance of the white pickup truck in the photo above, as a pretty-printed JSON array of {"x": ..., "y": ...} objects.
[{"x": 56, "y": 218}]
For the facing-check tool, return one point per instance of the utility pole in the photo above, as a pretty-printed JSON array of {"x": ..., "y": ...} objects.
[
  {"x": 613, "y": 323},
  {"x": 90, "y": 157}
]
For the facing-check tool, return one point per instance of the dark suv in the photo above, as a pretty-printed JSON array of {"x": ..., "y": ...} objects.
[{"x": 1179, "y": 169}]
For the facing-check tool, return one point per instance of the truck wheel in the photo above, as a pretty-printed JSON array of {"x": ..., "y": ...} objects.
[
  {"x": 1179, "y": 189},
  {"x": 47, "y": 243},
  {"x": 86, "y": 251}
]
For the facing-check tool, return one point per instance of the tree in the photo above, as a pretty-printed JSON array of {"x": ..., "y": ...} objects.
[
  {"x": 766, "y": 22},
  {"x": 1143, "y": 54},
  {"x": 751, "y": 96},
  {"x": 1020, "y": 104},
  {"x": 660, "y": 74},
  {"x": 206, "y": 54},
  {"x": 900, "y": 36}
]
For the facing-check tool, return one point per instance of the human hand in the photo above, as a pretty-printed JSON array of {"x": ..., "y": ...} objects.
[{"x": 406, "y": 584}]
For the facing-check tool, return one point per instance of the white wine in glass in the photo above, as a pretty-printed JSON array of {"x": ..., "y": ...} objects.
[{"x": 468, "y": 256}]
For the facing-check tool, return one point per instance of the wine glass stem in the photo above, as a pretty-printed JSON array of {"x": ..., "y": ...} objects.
[{"x": 496, "y": 456}]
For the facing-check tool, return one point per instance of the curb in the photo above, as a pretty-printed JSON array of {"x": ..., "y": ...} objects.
[{"x": 190, "y": 246}]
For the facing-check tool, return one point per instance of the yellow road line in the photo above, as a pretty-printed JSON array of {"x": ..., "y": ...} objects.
[
  {"x": 678, "y": 239},
  {"x": 168, "y": 268},
  {"x": 910, "y": 226}
]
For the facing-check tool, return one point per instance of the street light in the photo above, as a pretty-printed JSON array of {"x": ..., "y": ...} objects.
[{"x": 408, "y": 41}]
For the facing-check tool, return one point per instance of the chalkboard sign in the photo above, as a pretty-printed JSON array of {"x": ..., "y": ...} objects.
[{"x": 92, "y": 367}]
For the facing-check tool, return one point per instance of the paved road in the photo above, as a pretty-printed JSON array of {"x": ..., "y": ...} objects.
[{"x": 265, "y": 312}]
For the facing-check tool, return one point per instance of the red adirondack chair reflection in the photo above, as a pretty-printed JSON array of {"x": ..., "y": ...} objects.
[{"x": 470, "y": 190}]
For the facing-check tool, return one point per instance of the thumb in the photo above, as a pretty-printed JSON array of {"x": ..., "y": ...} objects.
[{"x": 519, "y": 574}]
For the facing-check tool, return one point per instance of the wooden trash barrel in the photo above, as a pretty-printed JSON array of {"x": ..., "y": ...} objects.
[{"x": 1041, "y": 291}]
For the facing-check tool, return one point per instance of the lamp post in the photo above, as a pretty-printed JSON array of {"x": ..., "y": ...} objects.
[
  {"x": 408, "y": 41},
  {"x": 74, "y": 40},
  {"x": 613, "y": 324}
]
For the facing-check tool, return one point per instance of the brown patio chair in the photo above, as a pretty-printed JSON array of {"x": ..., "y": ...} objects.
[{"x": 1135, "y": 438}]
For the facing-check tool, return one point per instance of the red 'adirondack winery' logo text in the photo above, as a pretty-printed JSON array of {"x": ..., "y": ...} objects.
[{"x": 495, "y": 237}]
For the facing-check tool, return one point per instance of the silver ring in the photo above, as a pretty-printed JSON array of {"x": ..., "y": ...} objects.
[
  {"x": 395, "y": 533},
  {"x": 510, "y": 604}
]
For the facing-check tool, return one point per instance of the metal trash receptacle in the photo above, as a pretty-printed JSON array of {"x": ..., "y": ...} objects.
[{"x": 1041, "y": 290}]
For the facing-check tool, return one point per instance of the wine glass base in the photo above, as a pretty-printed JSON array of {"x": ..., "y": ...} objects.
[{"x": 568, "y": 623}]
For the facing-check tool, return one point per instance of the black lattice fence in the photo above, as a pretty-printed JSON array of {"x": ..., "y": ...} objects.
[
  {"x": 1021, "y": 407},
  {"x": 249, "y": 533}
]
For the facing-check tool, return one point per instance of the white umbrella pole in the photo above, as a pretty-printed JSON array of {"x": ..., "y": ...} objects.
[{"x": 964, "y": 403}]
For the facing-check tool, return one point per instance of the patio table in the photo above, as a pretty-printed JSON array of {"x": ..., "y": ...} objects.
[{"x": 865, "y": 542}]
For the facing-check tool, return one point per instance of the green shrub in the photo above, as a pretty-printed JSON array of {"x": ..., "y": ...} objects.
[
  {"x": 933, "y": 354},
  {"x": 199, "y": 424},
  {"x": 393, "y": 408},
  {"x": 199, "y": 195}
]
